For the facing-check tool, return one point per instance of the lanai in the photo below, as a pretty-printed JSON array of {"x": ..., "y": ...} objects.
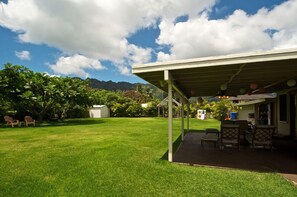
[{"x": 209, "y": 76}]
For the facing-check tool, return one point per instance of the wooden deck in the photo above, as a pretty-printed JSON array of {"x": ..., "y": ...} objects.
[{"x": 282, "y": 159}]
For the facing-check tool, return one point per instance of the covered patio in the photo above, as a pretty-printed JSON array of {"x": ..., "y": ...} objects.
[
  {"x": 223, "y": 75},
  {"x": 283, "y": 159}
]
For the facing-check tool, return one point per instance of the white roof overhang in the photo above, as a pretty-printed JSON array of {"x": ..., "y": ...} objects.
[
  {"x": 242, "y": 103},
  {"x": 204, "y": 76},
  {"x": 252, "y": 97}
]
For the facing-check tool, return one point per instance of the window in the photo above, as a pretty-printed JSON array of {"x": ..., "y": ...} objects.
[{"x": 283, "y": 107}]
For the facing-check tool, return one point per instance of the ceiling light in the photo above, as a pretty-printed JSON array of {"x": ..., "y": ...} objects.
[
  {"x": 291, "y": 83},
  {"x": 253, "y": 86},
  {"x": 242, "y": 91},
  {"x": 224, "y": 86}
]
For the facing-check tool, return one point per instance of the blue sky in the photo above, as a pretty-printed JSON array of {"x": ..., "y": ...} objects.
[{"x": 102, "y": 40}]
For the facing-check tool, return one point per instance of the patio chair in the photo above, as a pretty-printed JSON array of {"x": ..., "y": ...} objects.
[
  {"x": 29, "y": 120},
  {"x": 243, "y": 127},
  {"x": 230, "y": 135},
  {"x": 211, "y": 136},
  {"x": 262, "y": 136},
  {"x": 10, "y": 121}
]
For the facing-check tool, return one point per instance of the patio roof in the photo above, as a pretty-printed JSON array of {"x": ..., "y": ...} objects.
[
  {"x": 204, "y": 76},
  {"x": 270, "y": 71}
]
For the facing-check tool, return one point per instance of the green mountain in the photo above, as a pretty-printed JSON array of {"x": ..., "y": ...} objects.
[
  {"x": 112, "y": 86},
  {"x": 123, "y": 86}
]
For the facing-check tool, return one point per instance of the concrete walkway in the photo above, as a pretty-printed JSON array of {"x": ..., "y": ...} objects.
[{"x": 283, "y": 159}]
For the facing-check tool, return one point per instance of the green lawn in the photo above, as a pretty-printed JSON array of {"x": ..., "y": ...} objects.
[{"x": 116, "y": 156}]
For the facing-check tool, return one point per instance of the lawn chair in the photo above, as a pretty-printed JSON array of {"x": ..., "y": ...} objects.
[
  {"x": 29, "y": 120},
  {"x": 10, "y": 121},
  {"x": 262, "y": 136},
  {"x": 230, "y": 135}
]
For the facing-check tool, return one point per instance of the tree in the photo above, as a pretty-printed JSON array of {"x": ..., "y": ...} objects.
[
  {"x": 25, "y": 91},
  {"x": 12, "y": 85},
  {"x": 74, "y": 94},
  {"x": 134, "y": 95},
  {"x": 220, "y": 109}
]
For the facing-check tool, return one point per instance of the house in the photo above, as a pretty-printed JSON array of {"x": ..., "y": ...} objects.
[
  {"x": 278, "y": 109},
  {"x": 99, "y": 111},
  {"x": 255, "y": 107},
  {"x": 256, "y": 72}
]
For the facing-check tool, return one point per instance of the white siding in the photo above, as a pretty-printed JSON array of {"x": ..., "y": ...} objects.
[
  {"x": 101, "y": 111},
  {"x": 283, "y": 127},
  {"x": 243, "y": 113}
]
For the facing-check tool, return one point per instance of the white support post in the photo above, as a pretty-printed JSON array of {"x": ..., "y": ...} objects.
[
  {"x": 188, "y": 116},
  {"x": 170, "y": 149},
  {"x": 182, "y": 120}
]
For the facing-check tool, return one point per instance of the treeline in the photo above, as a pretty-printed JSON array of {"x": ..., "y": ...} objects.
[{"x": 24, "y": 92}]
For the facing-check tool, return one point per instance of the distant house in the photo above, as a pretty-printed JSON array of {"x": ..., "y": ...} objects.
[
  {"x": 99, "y": 111},
  {"x": 144, "y": 105}
]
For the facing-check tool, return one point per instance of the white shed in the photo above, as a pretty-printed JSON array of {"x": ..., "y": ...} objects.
[{"x": 99, "y": 111}]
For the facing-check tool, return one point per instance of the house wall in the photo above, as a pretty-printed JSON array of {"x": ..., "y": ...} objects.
[
  {"x": 243, "y": 113},
  {"x": 296, "y": 117},
  {"x": 283, "y": 127}
]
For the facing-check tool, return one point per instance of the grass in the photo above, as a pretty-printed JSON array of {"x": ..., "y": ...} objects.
[{"x": 116, "y": 157}]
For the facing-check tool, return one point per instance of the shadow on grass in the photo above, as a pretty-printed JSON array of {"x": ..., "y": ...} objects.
[
  {"x": 72, "y": 122},
  {"x": 175, "y": 146},
  {"x": 177, "y": 142},
  {"x": 66, "y": 122}
]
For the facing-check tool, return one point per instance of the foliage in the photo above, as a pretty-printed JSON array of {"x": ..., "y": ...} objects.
[
  {"x": 125, "y": 104},
  {"x": 25, "y": 92},
  {"x": 135, "y": 95},
  {"x": 151, "y": 110},
  {"x": 40, "y": 95},
  {"x": 218, "y": 109}
]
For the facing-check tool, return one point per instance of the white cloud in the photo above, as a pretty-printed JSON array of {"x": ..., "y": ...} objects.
[
  {"x": 161, "y": 56},
  {"x": 76, "y": 65},
  {"x": 133, "y": 55},
  {"x": 240, "y": 32},
  {"x": 46, "y": 73},
  {"x": 94, "y": 28},
  {"x": 99, "y": 29},
  {"x": 124, "y": 70},
  {"x": 23, "y": 55}
]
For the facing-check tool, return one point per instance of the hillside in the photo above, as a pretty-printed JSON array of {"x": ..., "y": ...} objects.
[
  {"x": 123, "y": 86},
  {"x": 112, "y": 86}
]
